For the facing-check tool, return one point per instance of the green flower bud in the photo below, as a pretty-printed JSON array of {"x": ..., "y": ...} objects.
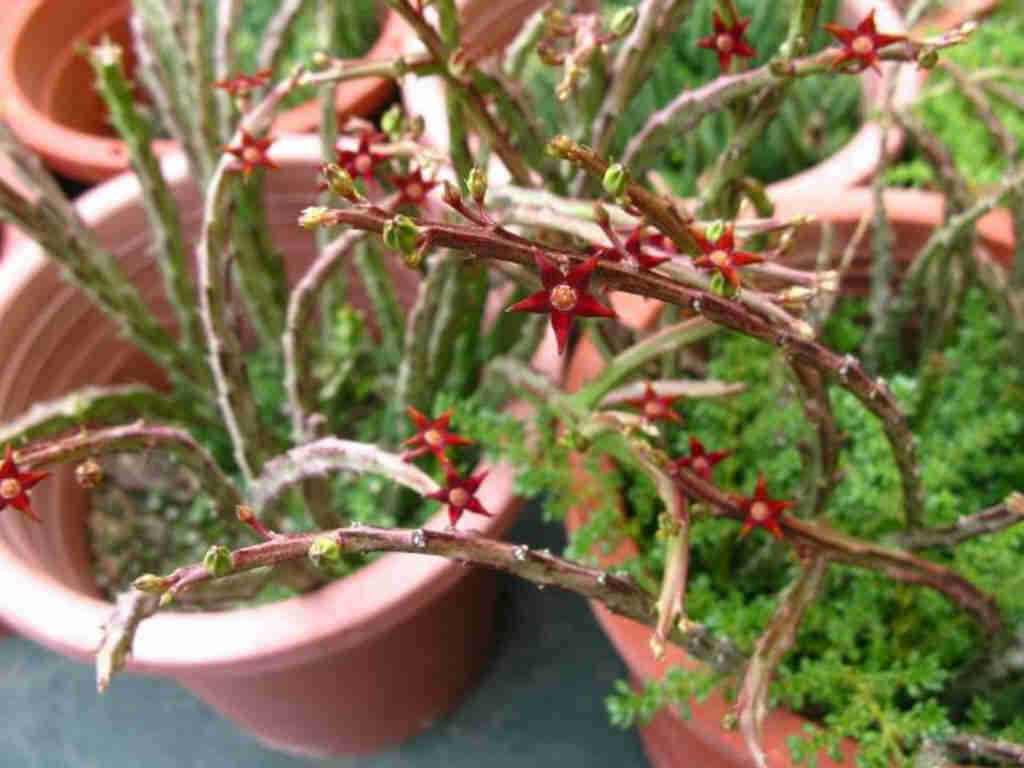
[
  {"x": 476, "y": 183},
  {"x": 217, "y": 560},
  {"x": 615, "y": 179},
  {"x": 715, "y": 230},
  {"x": 319, "y": 60},
  {"x": 314, "y": 217},
  {"x": 166, "y": 599},
  {"x": 150, "y": 582},
  {"x": 722, "y": 287},
  {"x": 393, "y": 121},
  {"x": 340, "y": 182},
  {"x": 323, "y": 551},
  {"x": 623, "y": 21},
  {"x": 927, "y": 58},
  {"x": 401, "y": 234},
  {"x": 560, "y": 146}
]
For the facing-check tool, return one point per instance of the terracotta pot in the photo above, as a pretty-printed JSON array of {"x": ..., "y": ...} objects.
[
  {"x": 489, "y": 26},
  {"x": 51, "y": 104},
  {"x": 670, "y": 741},
  {"x": 364, "y": 662}
]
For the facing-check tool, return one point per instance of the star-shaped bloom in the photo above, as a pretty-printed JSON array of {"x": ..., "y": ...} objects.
[
  {"x": 432, "y": 436},
  {"x": 728, "y": 41},
  {"x": 722, "y": 255},
  {"x": 699, "y": 460},
  {"x": 241, "y": 83},
  {"x": 361, "y": 162},
  {"x": 564, "y": 296},
  {"x": 459, "y": 493},
  {"x": 413, "y": 188},
  {"x": 655, "y": 407},
  {"x": 762, "y": 512},
  {"x": 631, "y": 253},
  {"x": 14, "y": 485},
  {"x": 251, "y": 153},
  {"x": 861, "y": 43}
]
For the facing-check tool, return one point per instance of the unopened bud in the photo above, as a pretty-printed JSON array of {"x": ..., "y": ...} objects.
[
  {"x": 476, "y": 183},
  {"x": 89, "y": 474},
  {"x": 795, "y": 294},
  {"x": 715, "y": 230},
  {"x": 107, "y": 54},
  {"x": 319, "y": 60},
  {"x": 217, "y": 560},
  {"x": 244, "y": 513},
  {"x": 150, "y": 582},
  {"x": 458, "y": 63},
  {"x": 401, "y": 234},
  {"x": 730, "y": 721},
  {"x": 340, "y": 182},
  {"x": 393, "y": 121},
  {"x": 623, "y": 21},
  {"x": 560, "y": 146},
  {"x": 927, "y": 58},
  {"x": 828, "y": 281},
  {"x": 166, "y": 599},
  {"x": 451, "y": 194},
  {"x": 615, "y": 179},
  {"x": 417, "y": 125},
  {"x": 722, "y": 287},
  {"x": 323, "y": 551},
  {"x": 314, "y": 217}
]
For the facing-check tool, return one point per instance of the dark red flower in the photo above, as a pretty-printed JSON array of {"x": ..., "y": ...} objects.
[
  {"x": 251, "y": 153},
  {"x": 861, "y": 43},
  {"x": 655, "y": 407},
  {"x": 564, "y": 296},
  {"x": 363, "y": 160},
  {"x": 632, "y": 252},
  {"x": 728, "y": 41},
  {"x": 760, "y": 511},
  {"x": 413, "y": 188},
  {"x": 241, "y": 83},
  {"x": 722, "y": 255},
  {"x": 699, "y": 460},
  {"x": 14, "y": 485},
  {"x": 432, "y": 436},
  {"x": 459, "y": 494}
]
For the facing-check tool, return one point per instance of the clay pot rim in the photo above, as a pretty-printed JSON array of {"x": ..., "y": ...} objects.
[
  {"x": 341, "y": 614},
  {"x": 90, "y": 157},
  {"x": 907, "y": 206}
]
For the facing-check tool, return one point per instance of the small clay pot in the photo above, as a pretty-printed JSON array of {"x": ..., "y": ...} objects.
[
  {"x": 362, "y": 663},
  {"x": 669, "y": 740},
  {"x": 51, "y": 104}
]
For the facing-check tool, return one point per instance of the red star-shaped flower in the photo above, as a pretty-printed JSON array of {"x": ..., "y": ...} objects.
[
  {"x": 363, "y": 160},
  {"x": 563, "y": 297},
  {"x": 722, "y": 255},
  {"x": 762, "y": 512},
  {"x": 655, "y": 407},
  {"x": 14, "y": 485},
  {"x": 251, "y": 153},
  {"x": 631, "y": 252},
  {"x": 241, "y": 83},
  {"x": 459, "y": 494},
  {"x": 413, "y": 188},
  {"x": 728, "y": 41},
  {"x": 699, "y": 460},
  {"x": 432, "y": 436},
  {"x": 861, "y": 43}
]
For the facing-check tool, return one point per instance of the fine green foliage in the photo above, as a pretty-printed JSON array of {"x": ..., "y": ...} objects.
[
  {"x": 819, "y": 116},
  {"x": 996, "y": 47},
  {"x": 875, "y": 661}
]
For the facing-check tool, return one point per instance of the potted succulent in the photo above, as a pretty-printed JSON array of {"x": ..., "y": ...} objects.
[
  {"x": 576, "y": 244},
  {"x": 47, "y": 82}
]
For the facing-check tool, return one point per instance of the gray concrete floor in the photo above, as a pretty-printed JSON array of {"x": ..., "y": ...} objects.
[{"x": 540, "y": 702}]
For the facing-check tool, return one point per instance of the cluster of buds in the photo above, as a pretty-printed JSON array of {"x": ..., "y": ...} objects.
[{"x": 571, "y": 40}]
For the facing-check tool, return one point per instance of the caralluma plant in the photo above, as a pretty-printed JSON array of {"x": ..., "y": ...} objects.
[{"x": 565, "y": 229}]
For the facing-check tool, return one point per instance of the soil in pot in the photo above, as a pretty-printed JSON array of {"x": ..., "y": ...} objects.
[
  {"x": 820, "y": 115},
  {"x": 884, "y": 664}
]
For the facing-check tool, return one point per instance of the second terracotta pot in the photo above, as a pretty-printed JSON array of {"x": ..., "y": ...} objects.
[
  {"x": 362, "y": 663},
  {"x": 669, "y": 740}
]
